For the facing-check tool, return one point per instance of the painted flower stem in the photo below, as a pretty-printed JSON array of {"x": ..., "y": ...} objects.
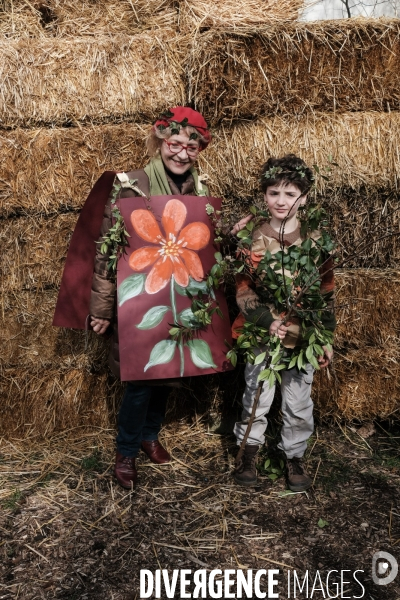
[{"x": 175, "y": 317}]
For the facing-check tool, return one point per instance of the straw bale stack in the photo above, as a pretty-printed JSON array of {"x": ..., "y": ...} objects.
[
  {"x": 34, "y": 250},
  {"x": 366, "y": 385},
  {"x": 365, "y": 382},
  {"x": 367, "y": 307},
  {"x": 39, "y": 402},
  {"x": 364, "y": 145},
  {"x": 236, "y": 14},
  {"x": 61, "y": 18},
  {"x": 28, "y": 337},
  {"x": 46, "y": 170},
  {"x": 329, "y": 66},
  {"x": 51, "y": 170},
  {"x": 79, "y": 80}
]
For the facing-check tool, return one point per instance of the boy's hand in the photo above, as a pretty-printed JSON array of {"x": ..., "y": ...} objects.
[
  {"x": 99, "y": 325},
  {"x": 277, "y": 328},
  {"x": 241, "y": 224},
  {"x": 326, "y": 358}
]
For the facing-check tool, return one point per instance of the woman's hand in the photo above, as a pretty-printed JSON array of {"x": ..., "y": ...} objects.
[
  {"x": 99, "y": 326},
  {"x": 279, "y": 329},
  {"x": 326, "y": 358},
  {"x": 241, "y": 224}
]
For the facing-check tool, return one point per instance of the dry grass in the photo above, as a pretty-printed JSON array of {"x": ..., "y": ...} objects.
[
  {"x": 61, "y": 18},
  {"x": 65, "y": 18},
  {"x": 236, "y": 14},
  {"x": 48, "y": 170},
  {"x": 73, "y": 80},
  {"x": 365, "y": 384},
  {"x": 29, "y": 339},
  {"x": 364, "y": 145},
  {"x": 367, "y": 301},
  {"x": 34, "y": 250},
  {"x": 328, "y": 66},
  {"x": 49, "y": 380},
  {"x": 51, "y": 170},
  {"x": 68, "y": 531},
  {"x": 38, "y": 400}
]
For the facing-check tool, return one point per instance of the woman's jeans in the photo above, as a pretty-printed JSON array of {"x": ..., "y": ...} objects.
[{"x": 140, "y": 416}]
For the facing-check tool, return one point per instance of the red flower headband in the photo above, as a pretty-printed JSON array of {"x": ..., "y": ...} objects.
[{"x": 183, "y": 116}]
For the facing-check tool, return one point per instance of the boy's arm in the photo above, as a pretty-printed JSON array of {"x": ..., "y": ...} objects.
[{"x": 249, "y": 303}]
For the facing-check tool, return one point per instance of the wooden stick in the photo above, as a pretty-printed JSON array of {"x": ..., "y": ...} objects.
[{"x": 249, "y": 424}]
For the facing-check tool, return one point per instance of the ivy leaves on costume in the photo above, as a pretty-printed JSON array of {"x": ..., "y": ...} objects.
[
  {"x": 115, "y": 240},
  {"x": 288, "y": 281}
]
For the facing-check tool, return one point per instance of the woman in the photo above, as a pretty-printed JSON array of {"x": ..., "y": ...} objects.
[{"x": 174, "y": 143}]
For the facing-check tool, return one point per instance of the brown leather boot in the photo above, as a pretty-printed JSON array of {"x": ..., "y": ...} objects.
[
  {"x": 125, "y": 471},
  {"x": 245, "y": 472},
  {"x": 156, "y": 453},
  {"x": 298, "y": 479}
]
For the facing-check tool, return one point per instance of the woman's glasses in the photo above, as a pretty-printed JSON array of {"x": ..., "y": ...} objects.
[{"x": 176, "y": 147}]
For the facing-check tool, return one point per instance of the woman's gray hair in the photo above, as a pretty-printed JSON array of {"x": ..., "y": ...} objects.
[{"x": 156, "y": 137}]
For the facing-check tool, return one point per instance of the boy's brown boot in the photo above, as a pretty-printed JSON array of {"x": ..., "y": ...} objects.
[
  {"x": 297, "y": 477},
  {"x": 245, "y": 472}
]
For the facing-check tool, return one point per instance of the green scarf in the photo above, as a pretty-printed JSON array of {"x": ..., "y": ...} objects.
[{"x": 159, "y": 186}]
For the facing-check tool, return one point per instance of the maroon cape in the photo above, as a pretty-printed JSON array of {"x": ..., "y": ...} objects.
[{"x": 73, "y": 300}]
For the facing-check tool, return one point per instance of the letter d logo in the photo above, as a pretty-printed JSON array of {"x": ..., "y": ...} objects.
[{"x": 384, "y": 563}]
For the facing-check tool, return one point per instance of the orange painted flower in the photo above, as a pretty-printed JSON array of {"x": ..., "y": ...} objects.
[{"x": 173, "y": 255}]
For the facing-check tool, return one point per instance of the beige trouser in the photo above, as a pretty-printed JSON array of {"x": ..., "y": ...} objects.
[{"x": 297, "y": 409}]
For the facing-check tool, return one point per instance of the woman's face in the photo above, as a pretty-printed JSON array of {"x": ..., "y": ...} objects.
[{"x": 179, "y": 153}]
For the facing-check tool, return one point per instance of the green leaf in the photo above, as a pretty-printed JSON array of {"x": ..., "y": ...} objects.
[
  {"x": 153, "y": 317},
  {"x": 162, "y": 353},
  {"x": 260, "y": 358},
  {"x": 200, "y": 354},
  {"x": 131, "y": 286},
  {"x": 232, "y": 357},
  {"x": 188, "y": 319},
  {"x": 194, "y": 288},
  {"x": 322, "y": 523},
  {"x": 264, "y": 375},
  {"x": 292, "y": 362},
  {"x": 313, "y": 361}
]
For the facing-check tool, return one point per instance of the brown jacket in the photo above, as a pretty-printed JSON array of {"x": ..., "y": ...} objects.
[{"x": 103, "y": 297}]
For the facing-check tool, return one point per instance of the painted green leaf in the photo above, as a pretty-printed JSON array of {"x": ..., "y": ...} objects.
[
  {"x": 188, "y": 319},
  {"x": 131, "y": 286},
  {"x": 162, "y": 353},
  {"x": 153, "y": 317},
  {"x": 194, "y": 288},
  {"x": 200, "y": 354}
]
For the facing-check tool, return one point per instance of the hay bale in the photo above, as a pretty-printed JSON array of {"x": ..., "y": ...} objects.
[
  {"x": 327, "y": 66},
  {"x": 28, "y": 337},
  {"x": 40, "y": 402},
  {"x": 366, "y": 385},
  {"x": 364, "y": 145},
  {"x": 34, "y": 250},
  {"x": 236, "y": 14},
  {"x": 59, "y": 82},
  {"x": 365, "y": 381},
  {"x": 367, "y": 308},
  {"x": 47, "y": 170},
  {"x": 61, "y": 18},
  {"x": 51, "y": 170}
]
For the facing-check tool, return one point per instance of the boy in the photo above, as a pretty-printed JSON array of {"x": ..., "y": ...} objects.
[{"x": 285, "y": 183}]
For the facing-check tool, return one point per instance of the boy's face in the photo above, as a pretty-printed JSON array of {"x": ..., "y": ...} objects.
[{"x": 283, "y": 200}]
